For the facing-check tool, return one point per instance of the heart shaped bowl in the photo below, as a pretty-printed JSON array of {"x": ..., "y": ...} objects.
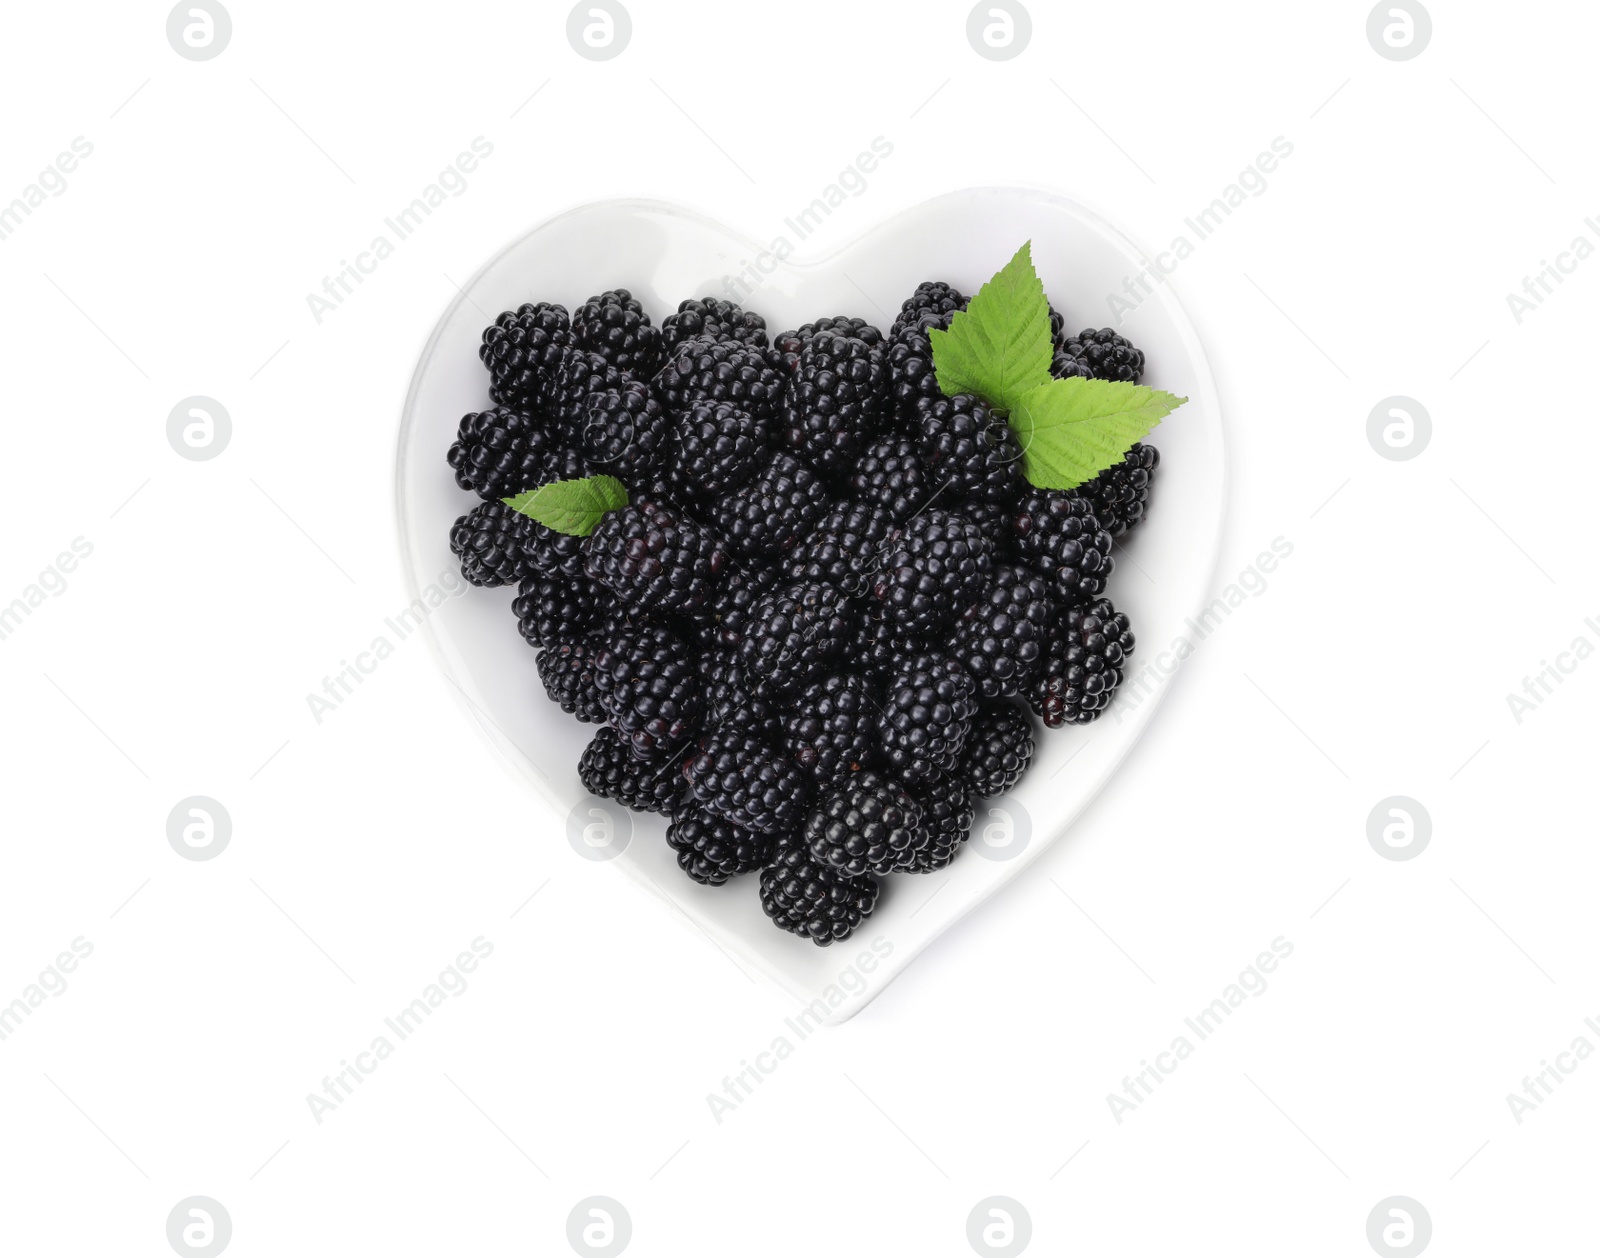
[{"x": 663, "y": 254}]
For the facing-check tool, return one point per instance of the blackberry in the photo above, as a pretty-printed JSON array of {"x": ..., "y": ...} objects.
[
  {"x": 845, "y": 548},
  {"x": 552, "y": 554},
  {"x": 704, "y": 370},
  {"x": 881, "y": 642},
  {"x": 625, "y": 432},
  {"x": 557, "y": 609},
  {"x": 650, "y": 686},
  {"x": 1000, "y": 639},
  {"x": 1106, "y": 355},
  {"x": 947, "y": 815},
  {"x": 498, "y": 453},
  {"x": 795, "y": 633},
  {"x": 1120, "y": 495},
  {"x": 712, "y": 849},
  {"x": 577, "y": 375},
  {"x": 521, "y": 349},
  {"x": 831, "y": 727},
  {"x": 654, "y": 559},
  {"x": 615, "y": 326},
  {"x": 1065, "y": 367},
  {"x": 790, "y": 345},
  {"x": 868, "y": 825},
  {"x": 732, "y": 699},
  {"x": 567, "y": 670},
  {"x": 1083, "y": 665},
  {"x": 890, "y": 472},
  {"x": 994, "y": 522},
  {"x": 492, "y": 541},
  {"x": 836, "y": 401},
  {"x": 968, "y": 451},
  {"x": 715, "y": 448},
  {"x": 723, "y": 622},
  {"x": 810, "y": 900},
  {"x": 936, "y": 564},
  {"x": 912, "y": 379},
  {"x": 998, "y": 750},
  {"x": 929, "y": 702},
  {"x": 774, "y": 511},
  {"x": 609, "y": 769},
  {"x": 932, "y": 297},
  {"x": 737, "y": 775},
  {"x": 713, "y": 319},
  {"x": 1058, "y": 536}
]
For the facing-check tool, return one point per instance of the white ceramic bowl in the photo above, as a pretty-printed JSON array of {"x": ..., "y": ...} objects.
[{"x": 665, "y": 254}]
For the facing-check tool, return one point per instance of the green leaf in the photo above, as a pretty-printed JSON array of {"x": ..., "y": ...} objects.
[
  {"x": 1071, "y": 430},
  {"x": 571, "y": 506},
  {"x": 999, "y": 346}
]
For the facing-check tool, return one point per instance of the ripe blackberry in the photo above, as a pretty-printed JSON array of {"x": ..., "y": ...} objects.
[
  {"x": 998, "y": 750},
  {"x": 566, "y": 667},
  {"x": 552, "y": 554},
  {"x": 625, "y": 432},
  {"x": 521, "y": 349},
  {"x": 1058, "y": 536},
  {"x": 881, "y": 642},
  {"x": 615, "y": 326},
  {"x": 1083, "y": 665},
  {"x": 868, "y": 825},
  {"x": 845, "y": 548},
  {"x": 929, "y": 702},
  {"x": 737, "y": 701},
  {"x": 1106, "y": 355},
  {"x": 554, "y": 609},
  {"x": 1000, "y": 639},
  {"x": 788, "y": 346},
  {"x": 891, "y": 472},
  {"x": 936, "y": 564},
  {"x": 739, "y": 776},
  {"x": 795, "y": 633},
  {"x": 947, "y": 814},
  {"x": 831, "y": 727},
  {"x": 609, "y": 769},
  {"x": 932, "y": 297},
  {"x": 713, "y": 319},
  {"x": 810, "y": 900},
  {"x": 722, "y": 623},
  {"x": 578, "y": 374},
  {"x": 912, "y": 379},
  {"x": 492, "y": 541},
  {"x": 650, "y": 686},
  {"x": 715, "y": 447},
  {"x": 969, "y": 453},
  {"x": 1064, "y": 367},
  {"x": 774, "y": 511},
  {"x": 654, "y": 559},
  {"x": 836, "y": 401},
  {"x": 712, "y": 849},
  {"x": 1120, "y": 495},
  {"x": 498, "y": 453},
  {"x": 704, "y": 370}
]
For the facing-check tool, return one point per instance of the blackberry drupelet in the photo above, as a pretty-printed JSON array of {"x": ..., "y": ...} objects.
[
  {"x": 577, "y": 375},
  {"x": 1083, "y": 665},
  {"x": 891, "y": 472},
  {"x": 650, "y": 685},
  {"x": 932, "y": 297},
  {"x": 1058, "y": 536},
  {"x": 615, "y": 326},
  {"x": 1106, "y": 355},
  {"x": 810, "y": 900},
  {"x": 870, "y": 824},
  {"x": 936, "y": 564},
  {"x": 968, "y": 452},
  {"x": 831, "y": 728},
  {"x": 947, "y": 814},
  {"x": 713, "y": 319},
  {"x": 704, "y": 370},
  {"x": 929, "y": 702},
  {"x": 737, "y": 775},
  {"x": 998, "y": 750},
  {"x": 714, "y": 448},
  {"x": 712, "y": 849},
  {"x": 566, "y": 667},
  {"x": 796, "y": 632},
  {"x": 625, "y": 432},
  {"x": 1120, "y": 495},
  {"x": 774, "y": 511},
  {"x": 609, "y": 769},
  {"x": 836, "y": 401},
  {"x": 521, "y": 349},
  {"x": 1001, "y": 638},
  {"x": 845, "y": 548},
  {"x": 493, "y": 542},
  {"x": 498, "y": 453},
  {"x": 551, "y": 609},
  {"x": 654, "y": 559}
]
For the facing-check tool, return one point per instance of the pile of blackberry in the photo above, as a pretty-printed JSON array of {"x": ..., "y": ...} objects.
[{"x": 814, "y": 636}]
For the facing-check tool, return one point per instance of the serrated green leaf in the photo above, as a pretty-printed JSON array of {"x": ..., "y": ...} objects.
[
  {"x": 999, "y": 346},
  {"x": 571, "y": 506},
  {"x": 1071, "y": 430}
]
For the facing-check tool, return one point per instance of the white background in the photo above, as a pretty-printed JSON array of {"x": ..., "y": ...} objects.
[{"x": 370, "y": 849}]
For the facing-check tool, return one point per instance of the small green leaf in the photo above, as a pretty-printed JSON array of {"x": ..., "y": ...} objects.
[
  {"x": 1071, "y": 430},
  {"x": 999, "y": 346},
  {"x": 571, "y": 506}
]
